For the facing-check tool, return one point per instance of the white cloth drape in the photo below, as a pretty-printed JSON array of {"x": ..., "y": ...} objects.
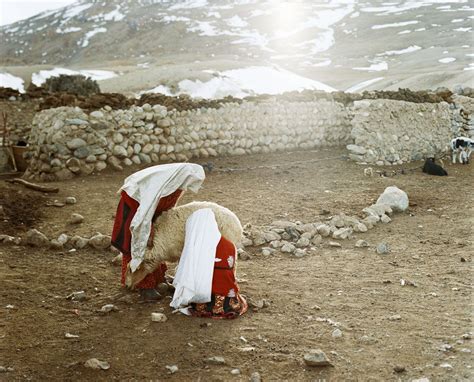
[
  {"x": 147, "y": 187},
  {"x": 193, "y": 279}
]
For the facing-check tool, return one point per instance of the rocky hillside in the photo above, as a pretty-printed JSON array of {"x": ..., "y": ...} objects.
[{"x": 345, "y": 44}]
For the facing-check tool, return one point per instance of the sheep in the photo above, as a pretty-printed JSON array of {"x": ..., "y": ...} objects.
[
  {"x": 430, "y": 167},
  {"x": 462, "y": 146},
  {"x": 168, "y": 242}
]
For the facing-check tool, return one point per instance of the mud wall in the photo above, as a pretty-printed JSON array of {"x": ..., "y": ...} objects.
[{"x": 66, "y": 141}]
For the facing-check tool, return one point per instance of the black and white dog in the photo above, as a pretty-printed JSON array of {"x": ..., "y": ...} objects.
[
  {"x": 430, "y": 167},
  {"x": 462, "y": 146}
]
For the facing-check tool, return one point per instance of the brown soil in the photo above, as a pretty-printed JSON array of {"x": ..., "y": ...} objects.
[{"x": 431, "y": 245}]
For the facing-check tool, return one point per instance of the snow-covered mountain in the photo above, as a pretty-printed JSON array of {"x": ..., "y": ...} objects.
[{"x": 343, "y": 44}]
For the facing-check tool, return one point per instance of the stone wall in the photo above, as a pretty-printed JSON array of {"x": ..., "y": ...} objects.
[
  {"x": 463, "y": 116},
  {"x": 66, "y": 141},
  {"x": 389, "y": 132}
]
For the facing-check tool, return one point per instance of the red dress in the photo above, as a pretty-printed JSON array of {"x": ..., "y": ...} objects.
[
  {"x": 122, "y": 237},
  {"x": 226, "y": 301}
]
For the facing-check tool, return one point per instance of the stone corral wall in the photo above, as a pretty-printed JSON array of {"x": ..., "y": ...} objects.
[
  {"x": 66, "y": 141},
  {"x": 463, "y": 116},
  {"x": 387, "y": 132}
]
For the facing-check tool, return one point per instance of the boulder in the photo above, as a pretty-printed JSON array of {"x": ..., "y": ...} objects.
[{"x": 395, "y": 198}]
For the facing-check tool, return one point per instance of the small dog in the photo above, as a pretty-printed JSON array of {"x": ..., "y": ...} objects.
[{"x": 431, "y": 168}]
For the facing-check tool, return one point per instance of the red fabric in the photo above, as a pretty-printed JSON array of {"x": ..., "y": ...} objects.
[
  {"x": 122, "y": 237},
  {"x": 223, "y": 280}
]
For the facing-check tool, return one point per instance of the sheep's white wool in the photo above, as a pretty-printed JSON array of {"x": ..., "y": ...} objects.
[
  {"x": 147, "y": 187},
  {"x": 193, "y": 279}
]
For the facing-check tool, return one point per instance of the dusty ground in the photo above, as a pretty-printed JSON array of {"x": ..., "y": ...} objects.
[{"x": 431, "y": 246}]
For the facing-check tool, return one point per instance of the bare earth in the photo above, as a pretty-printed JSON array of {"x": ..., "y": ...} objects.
[{"x": 431, "y": 245}]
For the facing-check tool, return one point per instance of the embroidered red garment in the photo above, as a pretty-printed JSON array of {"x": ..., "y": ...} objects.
[
  {"x": 226, "y": 301},
  {"x": 122, "y": 237}
]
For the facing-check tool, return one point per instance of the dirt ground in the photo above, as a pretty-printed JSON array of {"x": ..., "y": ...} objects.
[{"x": 354, "y": 289}]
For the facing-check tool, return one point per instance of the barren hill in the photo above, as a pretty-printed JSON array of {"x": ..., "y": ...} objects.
[{"x": 343, "y": 44}]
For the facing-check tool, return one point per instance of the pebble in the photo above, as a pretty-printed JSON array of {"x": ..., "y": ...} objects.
[
  {"x": 172, "y": 368},
  {"x": 335, "y": 244},
  {"x": 255, "y": 377},
  {"x": 76, "y": 219},
  {"x": 446, "y": 366},
  {"x": 235, "y": 372},
  {"x": 337, "y": 333},
  {"x": 382, "y": 248},
  {"x": 288, "y": 248},
  {"x": 395, "y": 317},
  {"x": 108, "y": 308},
  {"x": 96, "y": 364},
  {"x": 216, "y": 360},
  {"x": 77, "y": 296},
  {"x": 71, "y": 200},
  {"x": 69, "y": 335},
  {"x": 399, "y": 369},
  {"x": 361, "y": 244},
  {"x": 159, "y": 317},
  {"x": 36, "y": 239},
  {"x": 100, "y": 241},
  {"x": 316, "y": 358},
  {"x": 9, "y": 306}
]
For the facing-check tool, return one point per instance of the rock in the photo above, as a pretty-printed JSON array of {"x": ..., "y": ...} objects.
[
  {"x": 302, "y": 242},
  {"x": 255, "y": 377},
  {"x": 399, "y": 369},
  {"x": 246, "y": 242},
  {"x": 316, "y": 358},
  {"x": 276, "y": 244},
  {"x": 259, "y": 304},
  {"x": 288, "y": 248},
  {"x": 172, "y": 368},
  {"x": 94, "y": 363},
  {"x": 109, "y": 308},
  {"x": 71, "y": 200},
  {"x": 36, "y": 239},
  {"x": 100, "y": 241},
  {"x": 77, "y": 296},
  {"x": 324, "y": 230},
  {"x": 385, "y": 219},
  {"x": 271, "y": 236},
  {"x": 300, "y": 253},
  {"x": 76, "y": 219},
  {"x": 76, "y": 121},
  {"x": 120, "y": 151},
  {"x": 342, "y": 233},
  {"x": 114, "y": 162},
  {"x": 368, "y": 340},
  {"x": 422, "y": 379},
  {"x": 158, "y": 317},
  {"x": 317, "y": 239},
  {"x": 335, "y": 244},
  {"x": 97, "y": 114},
  {"x": 358, "y": 150},
  {"x": 235, "y": 372},
  {"x": 243, "y": 255},
  {"x": 79, "y": 242},
  {"x": 266, "y": 251},
  {"x": 395, "y": 317},
  {"x": 446, "y": 366},
  {"x": 337, "y": 333},
  {"x": 394, "y": 198},
  {"x": 74, "y": 165},
  {"x": 382, "y": 248},
  {"x": 360, "y": 227},
  {"x": 76, "y": 143},
  {"x": 361, "y": 244},
  {"x": 69, "y": 335},
  {"x": 215, "y": 360}
]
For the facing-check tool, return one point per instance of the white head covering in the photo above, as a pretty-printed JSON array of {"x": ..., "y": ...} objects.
[
  {"x": 147, "y": 187},
  {"x": 193, "y": 279}
]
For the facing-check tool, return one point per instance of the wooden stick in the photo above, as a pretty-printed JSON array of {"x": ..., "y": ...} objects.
[{"x": 33, "y": 186}]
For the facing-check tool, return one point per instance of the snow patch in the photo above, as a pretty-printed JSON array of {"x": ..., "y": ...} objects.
[
  {"x": 394, "y": 25},
  {"x": 446, "y": 60},
  {"x": 375, "y": 67},
  {"x": 90, "y": 34},
  {"x": 410, "y": 49},
  {"x": 9, "y": 81},
  {"x": 362, "y": 85}
]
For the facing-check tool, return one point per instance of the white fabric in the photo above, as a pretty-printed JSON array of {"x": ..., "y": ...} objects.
[
  {"x": 193, "y": 279},
  {"x": 147, "y": 187}
]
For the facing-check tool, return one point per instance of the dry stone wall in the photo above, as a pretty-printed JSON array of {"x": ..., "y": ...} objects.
[
  {"x": 463, "y": 116},
  {"x": 66, "y": 141},
  {"x": 387, "y": 132}
]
